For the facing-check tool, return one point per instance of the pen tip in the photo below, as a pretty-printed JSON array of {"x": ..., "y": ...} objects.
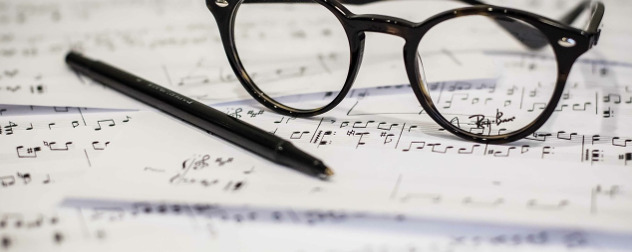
[{"x": 329, "y": 172}]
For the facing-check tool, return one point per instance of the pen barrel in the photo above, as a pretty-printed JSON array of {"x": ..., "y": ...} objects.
[{"x": 202, "y": 116}]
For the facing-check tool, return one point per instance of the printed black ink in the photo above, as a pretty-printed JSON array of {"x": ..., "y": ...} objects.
[{"x": 482, "y": 122}]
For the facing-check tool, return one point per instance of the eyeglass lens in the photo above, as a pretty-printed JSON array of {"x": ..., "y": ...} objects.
[
  {"x": 316, "y": 62},
  {"x": 516, "y": 62}
]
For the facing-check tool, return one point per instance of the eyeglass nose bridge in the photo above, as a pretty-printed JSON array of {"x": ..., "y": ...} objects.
[{"x": 382, "y": 24}]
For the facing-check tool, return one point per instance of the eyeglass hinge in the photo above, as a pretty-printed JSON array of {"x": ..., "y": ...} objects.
[{"x": 595, "y": 38}]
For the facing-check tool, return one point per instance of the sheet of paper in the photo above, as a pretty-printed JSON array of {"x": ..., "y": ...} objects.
[
  {"x": 168, "y": 227},
  {"x": 573, "y": 167},
  {"x": 34, "y": 182},
  {"x": 397, "y": 160},
  {"x": 173, "y": 43},
  {"x": 177, "y": 45}
]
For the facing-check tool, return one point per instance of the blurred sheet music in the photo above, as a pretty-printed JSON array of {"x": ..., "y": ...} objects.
[
  {"x": 174, "y": 43},
  {"x": 169, "y": 227}
]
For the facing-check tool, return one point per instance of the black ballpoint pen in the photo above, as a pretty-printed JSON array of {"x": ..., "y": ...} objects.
[{"x": 204, "y": 117}]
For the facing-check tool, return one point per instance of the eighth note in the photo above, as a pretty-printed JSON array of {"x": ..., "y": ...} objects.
[{"x": 111, "y": 124}]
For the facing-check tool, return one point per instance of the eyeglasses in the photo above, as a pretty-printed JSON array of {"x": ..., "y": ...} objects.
[{"x": 485, "y": 73}]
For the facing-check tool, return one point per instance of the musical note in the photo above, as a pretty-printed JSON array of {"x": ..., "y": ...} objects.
[
  {"x": 417, "y": 144},
  {"x": 110, "y": 123},
  {"x": 97, "y": 145}
]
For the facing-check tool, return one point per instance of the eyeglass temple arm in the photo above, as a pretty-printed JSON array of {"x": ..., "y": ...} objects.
[
  {"x": 592, "y": 26},
  {"x": 519, "y": 30},
  {"x": 597, "y": 11}
]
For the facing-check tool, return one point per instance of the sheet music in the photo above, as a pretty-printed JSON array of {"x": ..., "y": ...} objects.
[
  {"x": 173, "y": 43},
  {"x": 165, "y": 227},
  {"x": 402, "y": 152},
  {"x": 30, "y": 221},
  {"x": 587, "y": 137},
  {"x": 46, "y": 148},
  {"x": 534, "y": 190}
]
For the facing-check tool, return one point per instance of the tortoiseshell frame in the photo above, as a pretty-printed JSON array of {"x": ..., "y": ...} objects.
[{"x": 568, "y": 44}]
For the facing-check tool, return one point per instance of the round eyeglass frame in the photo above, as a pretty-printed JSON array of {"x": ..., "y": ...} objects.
[{"x": 559, "y": 36}]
